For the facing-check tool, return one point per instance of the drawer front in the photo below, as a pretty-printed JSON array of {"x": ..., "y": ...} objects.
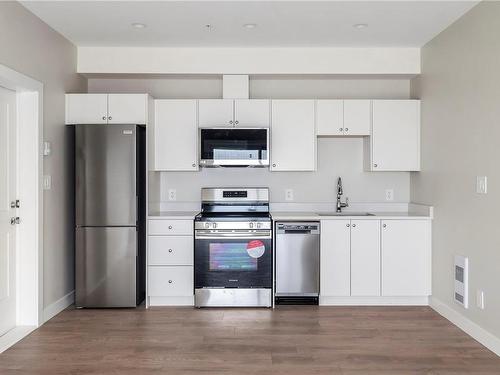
[
  {"x": 170, "y": 250},
  {"x": 170, "y": 227},
  {"x": 170, "y": 281}
]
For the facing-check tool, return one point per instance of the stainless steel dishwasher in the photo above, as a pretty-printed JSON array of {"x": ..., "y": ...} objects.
[{"x": 297, "y": 262}]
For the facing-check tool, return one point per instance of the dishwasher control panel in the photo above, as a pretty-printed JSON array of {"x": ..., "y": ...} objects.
[{"x": 303, "y": 227}]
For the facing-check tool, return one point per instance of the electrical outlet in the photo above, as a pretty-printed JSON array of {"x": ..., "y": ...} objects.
[
  {"x": 480, "y": 299},
  {"x": 172, "y": 194},
  {"x": 289, "y": 194},
  {"x": 47, "y": 182},
  {"x": 389, "y": 194},
  {"x": 482, "y": 184}
]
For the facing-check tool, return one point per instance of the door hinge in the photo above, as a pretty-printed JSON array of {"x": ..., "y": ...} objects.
[
  {"x": 15, "y": 220},
  {"x": 15, "y": 204}
]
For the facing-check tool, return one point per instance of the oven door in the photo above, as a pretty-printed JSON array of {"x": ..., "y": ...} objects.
[
  {"x": 236, "y": 260},
  {"x": 234, "y": 147}
]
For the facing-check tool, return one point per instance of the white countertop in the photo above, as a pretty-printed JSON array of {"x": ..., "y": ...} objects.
[
  {"x": 173, "y": 215},
  {"x": 292, "y": 215}
]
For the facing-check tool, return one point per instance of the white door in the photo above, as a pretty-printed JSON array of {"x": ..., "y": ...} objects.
[
  {"x": 330, "y": 117},
  {"x": 214, "y": 113},
  {"x": 406, "y": 258},
  {"x": 86, "y": 109},
  {"x": 357, "y": 117},
  {"x": 293, "y": 137},
  {"x": 396, "y": 135},
  {"x": 127, "y": 109},
  {"x": 365, "y": 258},
  {"x": 252, "y": 113},
  {"x": 335, "y": 255},
  {"x": 7, "y": 195},
  {"x": 175, "y": 135}
]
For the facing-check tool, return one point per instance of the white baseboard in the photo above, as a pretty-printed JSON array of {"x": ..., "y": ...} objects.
[
  {"x": 171, "y": 301},
  {"x": 486, "y": 338},
  {"x": 14, "y": 335},
  {"x": 374, "y": 301},
  {"x": 55, "y": 308}
]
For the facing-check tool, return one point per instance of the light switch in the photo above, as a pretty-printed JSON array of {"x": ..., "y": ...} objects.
[
  {"x": 482, "y": 185},
  {"x": 46, "y": 148}
]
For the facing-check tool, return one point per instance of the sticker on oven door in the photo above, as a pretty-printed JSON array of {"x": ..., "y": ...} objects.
[{"x": 256, "y": 248}]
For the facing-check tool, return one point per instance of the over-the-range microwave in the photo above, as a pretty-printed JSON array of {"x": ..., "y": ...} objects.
[{"x": 234, "y": 147}]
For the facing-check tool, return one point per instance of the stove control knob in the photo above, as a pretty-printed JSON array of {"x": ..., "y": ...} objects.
[
  {"x": 250, "y": 225},
  {"x": 259, "y": 225},
  {"x": 214, "y": 225},
  {"x": 207, "y": 225}
]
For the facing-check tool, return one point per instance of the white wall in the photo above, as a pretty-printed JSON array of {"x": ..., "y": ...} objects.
[
  {"x": 335, "y": 156},
  {"x": 460, "y": 92},
  {"x": 29, "y": 46}
]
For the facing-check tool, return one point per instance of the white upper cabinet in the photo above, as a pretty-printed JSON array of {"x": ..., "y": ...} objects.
[
  {"x": 106, "y": 108},
  {"x": 215, "y": 113},
  {"x": 127, "y": 108},
  {"x": 365, "y": 258},
  {"x": 335, "y": 265},
  {"x": 252, "y": 113},
  {"x": 86, "y": 109},
  {"x": 395, "y": 141},
  {"x": 175, "y": 135},
  {"x": 343, "y": 117},
  {"x": 357, "y": 117},
  {"x": 293, "y": 138},
  {"x": 406, "y": 258},
  {"x": 330, "y": 117}
]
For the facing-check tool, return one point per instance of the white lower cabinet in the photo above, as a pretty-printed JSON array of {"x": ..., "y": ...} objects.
[
  {"x": 170, "y": 279},
  {"x": 406, "y": 258},
  {"x": 372, "y": 261},
  {"x": 365, "y": 258},
  {"x": 335, "y": 258}
]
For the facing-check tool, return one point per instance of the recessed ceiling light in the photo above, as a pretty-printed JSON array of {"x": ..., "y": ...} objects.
[
  {"x": 360, "y": 26},
  {"x": 250, "y": 25},
  {"x": 138, "y": 25}
]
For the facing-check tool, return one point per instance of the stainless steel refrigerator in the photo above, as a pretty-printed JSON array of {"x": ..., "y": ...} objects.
[{"x": 110, "y": 215}]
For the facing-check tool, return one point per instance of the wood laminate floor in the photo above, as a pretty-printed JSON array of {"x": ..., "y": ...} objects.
[{"x": 289, "y": 340}]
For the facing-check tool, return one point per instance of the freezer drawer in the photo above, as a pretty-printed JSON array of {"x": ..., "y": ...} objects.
[
  {"x": 106, "y": 267},
  {"x": 105, "y": 172}
]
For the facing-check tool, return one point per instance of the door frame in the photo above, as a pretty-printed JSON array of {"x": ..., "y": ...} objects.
[{"x": 29, "y": 240}]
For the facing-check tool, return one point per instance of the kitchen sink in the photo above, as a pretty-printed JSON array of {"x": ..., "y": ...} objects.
[{"x": 333, "y": 213}]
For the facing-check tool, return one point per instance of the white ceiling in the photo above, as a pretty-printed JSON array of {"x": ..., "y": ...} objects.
[{"x": 279, "y": 23}]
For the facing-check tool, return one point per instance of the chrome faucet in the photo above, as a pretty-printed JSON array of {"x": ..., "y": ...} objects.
[{"x": 340, "y": 192}]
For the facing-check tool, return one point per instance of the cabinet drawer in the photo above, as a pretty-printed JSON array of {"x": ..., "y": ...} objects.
[
  {"x": 170, "y": 250},
  {"x": 170, "y": 227},
  {"x": 170, "y": 281}
]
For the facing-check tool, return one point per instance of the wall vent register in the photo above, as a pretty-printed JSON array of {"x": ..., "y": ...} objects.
[{"x": 462, "y": 281}]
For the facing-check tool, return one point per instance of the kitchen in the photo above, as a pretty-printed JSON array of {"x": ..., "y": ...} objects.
[{"x": 267, "y": 192}]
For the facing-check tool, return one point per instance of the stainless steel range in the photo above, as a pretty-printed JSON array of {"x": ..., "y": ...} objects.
[{"x": 233, "y": 248}]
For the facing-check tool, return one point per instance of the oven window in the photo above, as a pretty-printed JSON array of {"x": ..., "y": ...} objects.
[
  {"x": 231, "y": 256},
  {"x": 234, "y": 144}
]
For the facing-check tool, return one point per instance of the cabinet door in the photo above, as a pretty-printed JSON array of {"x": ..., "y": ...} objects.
[
  {"x": 252, "y": 113},
  {"x": 175, "y": 135},
  {"x": 127, "y": 108},
  {"x": 365, "y": 258},
  {"x": 406, "y": 258},
  {"x": 395, "y": 139},
  {"x": 86, "y": 109},
  {"x": 335, "y": 258},
  {"x": 293, "y": 138},
  {"x": 330, "y": 117},
  {"x": 215, "y": 112},
  {"x": 357, "y": 117}
]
